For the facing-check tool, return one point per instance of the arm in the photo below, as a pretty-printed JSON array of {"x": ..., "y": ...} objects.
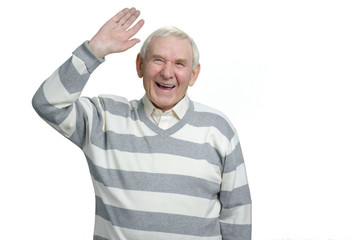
[
  {"x": 235, "y": 216},
  {"x": 57, "y": 100}
]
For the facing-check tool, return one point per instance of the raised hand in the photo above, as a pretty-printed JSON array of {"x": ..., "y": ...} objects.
[{"x": 115, "y": 35}]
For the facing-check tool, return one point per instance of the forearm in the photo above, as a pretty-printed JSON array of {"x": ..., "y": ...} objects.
[{"x": 55, "y": 100}]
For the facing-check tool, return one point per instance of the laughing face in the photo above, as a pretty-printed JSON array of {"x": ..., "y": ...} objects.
[{"x": 167, "y": 71}]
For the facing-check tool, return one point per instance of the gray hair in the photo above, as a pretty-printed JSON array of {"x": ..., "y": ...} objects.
[{"x": 171, "y": 32}]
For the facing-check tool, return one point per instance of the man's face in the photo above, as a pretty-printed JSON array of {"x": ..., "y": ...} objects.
[{"x": 167, "y": 71}]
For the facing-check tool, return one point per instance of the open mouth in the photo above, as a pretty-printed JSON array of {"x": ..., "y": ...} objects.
[{"x": 165, "y": 86}]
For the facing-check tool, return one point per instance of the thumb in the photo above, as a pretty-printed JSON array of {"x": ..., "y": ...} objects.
[{"x": 132, "y": 42}]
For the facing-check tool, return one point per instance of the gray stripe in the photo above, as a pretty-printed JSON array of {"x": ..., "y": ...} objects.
[
  {"x": 85, "y": 54},
  {"x": 154, "y": 182},
  {"x": 206, "y": 119},
  {"x": 47, "y": 110},
  {"x": 71, "y": 79},
  {"x": 238, "y": 232},
  {"x": 233, "y": 160},
  {"x": 153, "y": 144},
  {"x": 198, "y": 119},
  {"x": 78, "y": 136},
  {"x": 118, "y": 108},
  {"x": 97, "y": 135},
  {"x": 237, "y": 197},
  {"x": 99, "y": 238},
  {"x": 158, "y": 222}
]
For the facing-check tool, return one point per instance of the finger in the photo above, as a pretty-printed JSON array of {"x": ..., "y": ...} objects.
[
  {"x": 126, "y": 17},
  {"x": 131, "y": 43},
  {"x": 131, "y": 19},
  {"x": 132, "y": 31},
  {"x": 119, "y": 15}
]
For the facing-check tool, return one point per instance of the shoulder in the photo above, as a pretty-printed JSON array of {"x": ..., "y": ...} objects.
[
  {"x": 212, "y": 113},
  {"x": 206, "y": 116}
]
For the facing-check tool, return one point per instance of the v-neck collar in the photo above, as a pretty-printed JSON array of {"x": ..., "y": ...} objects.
[{"x": 170, "y": 130}]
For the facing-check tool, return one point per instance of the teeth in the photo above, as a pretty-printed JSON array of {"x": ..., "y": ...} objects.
[{"x": 165, "y": 85}]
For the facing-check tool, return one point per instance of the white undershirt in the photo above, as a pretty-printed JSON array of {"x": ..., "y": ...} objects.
[{"x": 167, "y": 119}]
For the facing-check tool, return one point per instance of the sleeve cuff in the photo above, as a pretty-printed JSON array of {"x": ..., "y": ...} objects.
[{"x": 90, "y": 59}]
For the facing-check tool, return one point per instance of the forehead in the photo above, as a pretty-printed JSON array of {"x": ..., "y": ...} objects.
[{"x": 170, "y": 47}]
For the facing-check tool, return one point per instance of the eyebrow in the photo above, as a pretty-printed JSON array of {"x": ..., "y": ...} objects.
[{"x": 181, "y": 60}]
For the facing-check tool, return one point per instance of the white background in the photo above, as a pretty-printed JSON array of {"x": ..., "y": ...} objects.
[{"x": 285, "y": 72}]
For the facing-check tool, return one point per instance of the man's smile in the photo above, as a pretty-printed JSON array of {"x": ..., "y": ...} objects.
[{"x": 165, "y": 86}]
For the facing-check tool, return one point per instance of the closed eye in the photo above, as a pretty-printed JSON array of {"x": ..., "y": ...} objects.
[
  {"x": 158, "y": 60},
  {"x": 181, "y": 63}
]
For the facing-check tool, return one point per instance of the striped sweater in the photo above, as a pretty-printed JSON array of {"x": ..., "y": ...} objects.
[{"x": 187, "y": 182}]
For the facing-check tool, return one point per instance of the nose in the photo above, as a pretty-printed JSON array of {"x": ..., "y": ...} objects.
[{"x": 167, "y": 71}]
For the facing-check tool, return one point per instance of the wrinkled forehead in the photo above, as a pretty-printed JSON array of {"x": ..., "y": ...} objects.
[{"x": 170, "y": 46}]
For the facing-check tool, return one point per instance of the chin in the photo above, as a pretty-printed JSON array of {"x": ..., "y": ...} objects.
[{"x": 164, "y": 104}]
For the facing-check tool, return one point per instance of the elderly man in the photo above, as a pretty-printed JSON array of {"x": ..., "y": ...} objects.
[{"x": 163, "y": 167}]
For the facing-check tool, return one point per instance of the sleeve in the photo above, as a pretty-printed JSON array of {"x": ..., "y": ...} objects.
[
  {"x": 235, "y": 216},
  {"x": 58, "y": 100}
]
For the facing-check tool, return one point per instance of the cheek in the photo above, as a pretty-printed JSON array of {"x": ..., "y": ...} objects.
[
  {"x": 148, "y": 86},
  {"x": 183, "y": 78},
  {"x": 153, "y": 73},
  {"x": 147, "y": 81},
  {"x": 148, "y": 77}
]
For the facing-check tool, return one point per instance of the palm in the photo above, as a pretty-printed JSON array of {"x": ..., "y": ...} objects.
[{"x": 115, "y": 35}]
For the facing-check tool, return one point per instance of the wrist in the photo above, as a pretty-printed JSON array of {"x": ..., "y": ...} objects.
[
  {"x": 96, "y": 49},
  {"x": 86, "y": 55}
]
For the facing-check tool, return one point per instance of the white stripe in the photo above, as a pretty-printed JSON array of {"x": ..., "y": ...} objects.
[
  {"x": 234, "y": 141},
  {"x": 56, "y": 94},
  {"x": 103, "y": 226},
  {"x": 158, "y": 202},
  {"x": 67, "y": 127},
  {"x": 210, "y": 135},
  {"x": 125, "y": 125},
  {"x": 105, "y": 229},
  {"x": 153, "y": 163},
  {"x": 79, "y": 65},
  {"x": 234, "y": 179},
  {"x": 236, "y": 215}
]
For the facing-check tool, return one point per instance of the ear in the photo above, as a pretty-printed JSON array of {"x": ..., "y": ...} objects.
[
  {"x": 194, "y": 75},
  {"x": 139, "y": 65}
]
